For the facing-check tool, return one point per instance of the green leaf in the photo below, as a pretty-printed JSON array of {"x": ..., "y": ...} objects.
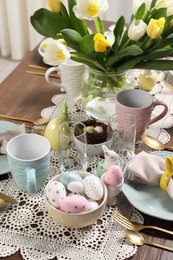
[
  {"x": 130, "y": 51},
  {"x": 159, "y": 13},
  {"x": 140, "y": 12},
  {"x": 48, "y": 23},
  {"x": 118, "y": 31},
  {"x": 168, "y": 28},
  {"x": 125, "y": 38},
  {"x": 130, "y": 63},
  {"x": 142, "y": 61},
  {"x": 153, "y": 3},
  {"x": 87, "y": 44},
  {"x": 72, "y": 38},
  {"x": 79, "y": 25},
  {"x": 159, "y": 53},
  {"x": 99, "y": 25},
  {"x": 64, "y": 12},
  {"x": 79, "y": 57},
  {"x": 156, "y": 65},
  {"x": 166, "y": 42}
]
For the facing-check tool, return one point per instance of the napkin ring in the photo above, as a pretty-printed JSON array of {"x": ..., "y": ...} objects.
[{"x": 167, "y": 174}]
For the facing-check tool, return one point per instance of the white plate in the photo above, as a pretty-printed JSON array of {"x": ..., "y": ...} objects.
[
  {"x": 5, "y": 126},
  {"x": 152, "y": 201}
]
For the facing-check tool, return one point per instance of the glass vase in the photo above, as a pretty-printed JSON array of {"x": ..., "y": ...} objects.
[{"x": 99, "y": 90}]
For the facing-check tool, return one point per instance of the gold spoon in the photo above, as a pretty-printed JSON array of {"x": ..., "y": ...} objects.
[
  {"x": 6, "y": 198},
  {"x": 137, "y": 239},
  {"x": 40, "y": 121},
  {"x": 37, "y": 130},
  {"x": 155, "y": 143}
]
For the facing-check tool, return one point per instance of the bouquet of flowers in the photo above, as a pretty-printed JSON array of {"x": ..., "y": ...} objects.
[{"x": 143, "y": 43}]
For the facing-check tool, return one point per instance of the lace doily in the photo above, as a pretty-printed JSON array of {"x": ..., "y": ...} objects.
[{"x": 27, "y": 226}]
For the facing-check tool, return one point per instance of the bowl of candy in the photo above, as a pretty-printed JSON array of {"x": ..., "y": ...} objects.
[{"x": 75, "y": 199}]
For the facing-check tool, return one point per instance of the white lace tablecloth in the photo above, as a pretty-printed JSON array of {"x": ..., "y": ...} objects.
[{"x": 27, "y": 227}]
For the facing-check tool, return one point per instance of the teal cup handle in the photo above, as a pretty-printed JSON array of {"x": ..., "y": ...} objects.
[{"x": 31, "y": 180}]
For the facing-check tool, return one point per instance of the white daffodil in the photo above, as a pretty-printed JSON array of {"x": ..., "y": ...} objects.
[
  {"x": 137, "y": 29},
  {"x": 165, "y": 4},
  {"x": 55, "y": 53},
  {"x": 90, "y": 9},
  {"x": 137, "y": 3}
]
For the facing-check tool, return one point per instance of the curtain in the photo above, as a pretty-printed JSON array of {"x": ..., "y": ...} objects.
[
  {"x": 17, "y": 36},
  {"x": 118, "y": 8}
]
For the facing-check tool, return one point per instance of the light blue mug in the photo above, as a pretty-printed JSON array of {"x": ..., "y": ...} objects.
[{"x": 29, "y": 161}]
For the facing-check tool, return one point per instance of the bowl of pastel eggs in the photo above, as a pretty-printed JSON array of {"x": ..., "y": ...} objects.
[{"x": 75, "y": 199}]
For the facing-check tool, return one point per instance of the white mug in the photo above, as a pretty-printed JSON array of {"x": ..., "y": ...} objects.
[
  {"x": 71, "y": 76},
  {"x": 29, "y": 161}
]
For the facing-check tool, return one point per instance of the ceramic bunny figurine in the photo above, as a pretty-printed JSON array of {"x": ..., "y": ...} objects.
[
  {"x": 166, "y": 181},
  {"x": 110, "y": 157}
]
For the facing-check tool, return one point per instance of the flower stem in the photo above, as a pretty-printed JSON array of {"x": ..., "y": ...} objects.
[{"x": 99, "y": 25}]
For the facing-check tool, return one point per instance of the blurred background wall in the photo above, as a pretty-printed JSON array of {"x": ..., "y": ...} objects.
[{"x": 17, "y": 36}]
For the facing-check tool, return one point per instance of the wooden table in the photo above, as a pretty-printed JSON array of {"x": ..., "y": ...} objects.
[{"x": 25, "y": 95}]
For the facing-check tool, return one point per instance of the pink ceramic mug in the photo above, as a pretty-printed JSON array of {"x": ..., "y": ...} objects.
[{"x": 139, "y": 104}]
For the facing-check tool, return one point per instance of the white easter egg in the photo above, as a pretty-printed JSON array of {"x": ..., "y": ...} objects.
[
  {"x": 93, "y": 187},
  {"x": 76, "y": 187},
  {"x": 69, "y": 176},
  {"x": 92, "y": 204},
  {"x": 99, "y": 129},
  {"x": 55, "y": 191}
]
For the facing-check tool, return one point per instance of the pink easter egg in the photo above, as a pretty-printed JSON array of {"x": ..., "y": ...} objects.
[
  {"x": 74, "y": 203},
  {"x": 113, "y": 176}
]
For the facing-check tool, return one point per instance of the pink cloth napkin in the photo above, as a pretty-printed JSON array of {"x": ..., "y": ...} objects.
[
  {"x": 7, "y": 135},
  {"x": 146, "y": 169}
]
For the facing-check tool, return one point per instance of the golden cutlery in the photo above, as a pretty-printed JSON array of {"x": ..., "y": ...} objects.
[
  {"x": 126, "y": 223},
  {"x": 37, "y": 130},
  {"x": 38, "y": 72},
  {"x": 41, "y": 74},
  {"x": 37, "y": 67},
  {"x": 155, "y": 143},
  {"x": 137, "y": 239},
  {"x": 40, "y": 121},
  {"x": 7, "y": 198},
  {"x": 167, "y": 85}
]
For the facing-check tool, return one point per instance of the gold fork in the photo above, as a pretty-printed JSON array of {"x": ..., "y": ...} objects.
[{"x": 126, "y": 223}]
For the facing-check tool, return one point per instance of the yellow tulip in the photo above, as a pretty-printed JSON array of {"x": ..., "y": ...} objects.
[
  {"x": 155, "y": 27},
  {"x": 54, "y": 5},
  {"x": 101, "y": 44}
]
